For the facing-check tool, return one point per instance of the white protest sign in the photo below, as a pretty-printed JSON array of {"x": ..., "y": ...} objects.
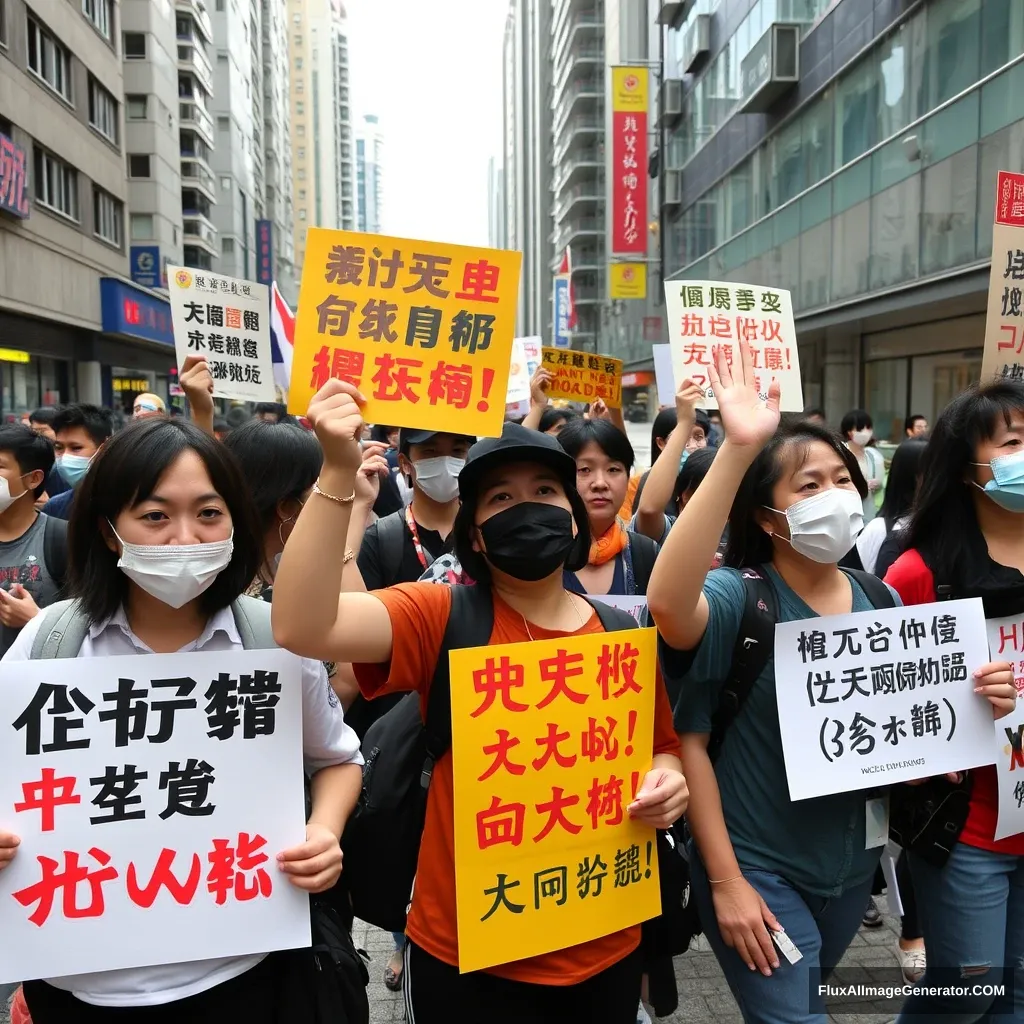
[
  {"x": 702, "y": 314},
  {"x": 636, "y": 606},
  {"x": 877, "y": 697},
  {"x": 152, "y": 794},
  {"x": 1006, "y": 643},
  {"x": 228, "y": 322},
  {"x": 664, "y": 375},
  {"x": 518, "y": 376}
]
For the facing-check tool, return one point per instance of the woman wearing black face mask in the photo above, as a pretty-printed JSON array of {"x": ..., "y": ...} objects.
[{"x": 521, "y": 523}]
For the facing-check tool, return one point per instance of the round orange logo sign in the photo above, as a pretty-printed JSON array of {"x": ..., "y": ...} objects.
[{"x": 183, "y": 279}]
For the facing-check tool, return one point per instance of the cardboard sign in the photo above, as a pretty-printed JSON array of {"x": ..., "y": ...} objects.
[
  {"x": 152, "y": 795},
  {"x": 877, "y": 697},
  {"x": 551, "y": 740},
  {"x": 227, "y": 321},
  {"x": 584, "y": 377},
  {"x": 1004, "y": 323},
  {"x": 702, "y": 314},
  {"x": 423, "y": 329}
]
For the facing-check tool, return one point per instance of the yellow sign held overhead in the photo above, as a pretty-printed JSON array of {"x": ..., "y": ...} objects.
[{"x": 583, "y": 376}]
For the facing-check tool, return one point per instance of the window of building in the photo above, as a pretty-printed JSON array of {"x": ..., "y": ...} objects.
[
  {"x": 56, "y": 184},
  {"x": 103, "y": 114},
  {"x": 101, "y": 14},
  {"x": 3, "y": 24},
  {"x": 302, "y": 195},
  {"x": 138, "y": 165},
  {"x": 952, "y": 51},
  {"x": 134, "y": 45},
  {"x": 301, "y": 174},
  {"x": 300, "y": 130},
  {"x": 948, "y": 214},
  {"x": 297, "y": 19},
  {"x": 227, "y": 246},
  {"x": 49, "y": 60},
  {"x": 300, "y": 107},
  {"x": 302, "y": 214},
  {"x": 224, "y": 124},
  {"x": 300, "y": 86},
  {"x": 225, "y": 183},
  {"x": 298, "y": 39},
  {"x": 136, "y": 106},
  {"x": 301, "y": 152},
  {"x": 298, "y": 63},
  {"x": 140, "y": 225},
  {"x": 107, "y": 217}
]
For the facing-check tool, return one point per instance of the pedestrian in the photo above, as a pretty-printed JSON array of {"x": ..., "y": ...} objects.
[
  {"x": 857, "y": 430},
  {"x": 147, "y": 405},
  {"x": 81, "y": 431}
]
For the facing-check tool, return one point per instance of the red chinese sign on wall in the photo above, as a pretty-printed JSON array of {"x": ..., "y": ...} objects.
[
  {"x": 629, "y": 160},
  {"x": 13, "y": 178}
]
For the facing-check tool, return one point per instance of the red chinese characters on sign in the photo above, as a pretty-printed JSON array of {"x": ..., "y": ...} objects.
[
  {"x": 629, "y": 160},
  {"x": 13, "y": 178},
  {"x": 1010, "y": 199}
]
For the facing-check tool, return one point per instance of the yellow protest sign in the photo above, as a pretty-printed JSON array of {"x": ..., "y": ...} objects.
[
  {"x": 550, "y": 743},
  {"x": 583, "y": 376},
  {"x": 423, "y": 329}
]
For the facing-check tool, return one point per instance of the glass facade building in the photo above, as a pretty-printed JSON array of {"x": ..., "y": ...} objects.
[{"x": 868, "y": 189}]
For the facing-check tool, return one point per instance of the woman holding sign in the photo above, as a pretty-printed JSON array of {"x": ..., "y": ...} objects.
[
  {"x": 761, "y": 862},
  {"x": 521, "y": 524},
  {"x": 966, "y": 539},
  {"x": 163, "y": 542}
]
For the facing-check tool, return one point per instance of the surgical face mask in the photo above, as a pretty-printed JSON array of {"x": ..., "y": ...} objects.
[
  {"x": 528, "y": 541},
  {"x": 861, "y": 437},
  {"x": 6, "y": 498},
  {"x": 824, "y": 526},
  {"x": 73, "y": 467},
  {"x": 174, "y": 573},
  {"x": 683, "y": 458},
  {"x": 1006, "y": 488},
  {"x": 438, "y": 478}
]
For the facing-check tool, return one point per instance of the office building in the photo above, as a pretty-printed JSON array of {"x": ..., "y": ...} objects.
[
  {"x": 527, "y": 159},
  {"x": 70, "y": 320},
  {"x": 369, "y": 174},
  {"x": 852, "y": 160},
  {"x": 497, "y": 214}
]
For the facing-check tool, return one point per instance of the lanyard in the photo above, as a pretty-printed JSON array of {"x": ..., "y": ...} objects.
[{"x": 411, "y": 523}]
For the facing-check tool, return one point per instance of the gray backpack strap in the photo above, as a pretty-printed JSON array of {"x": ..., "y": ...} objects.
[
  {"x": 62, "y": 631},
  {"x": 252, "y": 616}
]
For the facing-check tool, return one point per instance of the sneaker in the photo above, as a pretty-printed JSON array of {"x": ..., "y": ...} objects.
[
  {"x": 912, "y": 962},
  {"x": 872, "y": 918},
  {"x": 642, "y": 1016}
]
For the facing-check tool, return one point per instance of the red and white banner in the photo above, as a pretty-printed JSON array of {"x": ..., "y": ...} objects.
[{"x": 629, "y": 160}]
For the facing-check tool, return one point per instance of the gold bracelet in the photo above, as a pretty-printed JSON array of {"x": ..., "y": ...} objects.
[
  {"x": 333, "y": 497},
  {"x": 349, "y": 555},
  {"x": 722, "y": 881}
]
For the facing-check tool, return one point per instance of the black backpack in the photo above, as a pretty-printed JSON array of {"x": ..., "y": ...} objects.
[
  {"x": 382, "y": 839},
  {"x": 55, "y": 550},
  {"x": 642, "y": 553},
  {"x": 390, "y": 531},
  {"x": 341, "y": 974}
]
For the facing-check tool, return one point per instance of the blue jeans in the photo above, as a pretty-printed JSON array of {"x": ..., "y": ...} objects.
[
  {"x": 972, "y": 916},
  {"x": 820, "y": 928}
]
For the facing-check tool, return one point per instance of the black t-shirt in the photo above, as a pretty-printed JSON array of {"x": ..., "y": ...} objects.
[{"x": 372, "y": 562}]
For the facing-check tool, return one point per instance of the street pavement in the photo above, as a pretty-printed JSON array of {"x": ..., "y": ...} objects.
[{"x": 704, "y": 997}]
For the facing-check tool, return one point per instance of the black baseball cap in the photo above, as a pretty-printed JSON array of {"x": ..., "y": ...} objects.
[
  {"x": 516, "y": 444},
  {"x": 407, "y": 437}
]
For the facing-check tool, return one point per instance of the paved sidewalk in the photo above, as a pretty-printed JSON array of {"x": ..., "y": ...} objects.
[{"x": 704, "y": 997}]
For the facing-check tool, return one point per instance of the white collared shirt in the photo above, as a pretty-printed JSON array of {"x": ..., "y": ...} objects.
[{"x": 326, "y": 740}]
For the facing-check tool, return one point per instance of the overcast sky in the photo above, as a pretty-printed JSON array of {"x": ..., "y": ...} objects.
[{"x": 431, "y": 70}]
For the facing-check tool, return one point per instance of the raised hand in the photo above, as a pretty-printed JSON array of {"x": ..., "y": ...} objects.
[
  {"x": 748, "y": 422},
  {"x": 687, "y": 398},
  {"x": 539, "y": 386},
  {"x": 374, "y": 467},
  {"x": 336, "y": 414}
]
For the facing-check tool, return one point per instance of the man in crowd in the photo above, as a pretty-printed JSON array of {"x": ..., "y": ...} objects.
[
  {"x": 915, "y": 426},
  {"x": 41, "y": 421},
  {"x": 80, "y": 431}
]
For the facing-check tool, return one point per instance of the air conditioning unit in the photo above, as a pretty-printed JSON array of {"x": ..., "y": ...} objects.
[
  {"x": 770, "y": 69},
  {"x": 670, "y": 12},
  {"x": 697, "y": 44},
  {"x": 673, "y": 188},
  {"x": 670, "y": 101}
]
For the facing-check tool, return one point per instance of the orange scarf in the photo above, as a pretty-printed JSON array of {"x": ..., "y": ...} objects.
[{"x": 609, "y": 544}]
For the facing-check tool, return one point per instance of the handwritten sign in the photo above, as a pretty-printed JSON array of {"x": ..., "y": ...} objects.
[
  {"x": 1004, "y": 322},
  {"x": 1006, "y": 643},
  {"x": 1009, "y": 760},
  {"x": 877, "y": 697},
  {"x": 702, "y": 314},
  {"x": 152, "y": 795},
  {"x": 227, "y": 321},
  {"x": 423, "y": 329},
  {"x": 583, "y": 376},
  {"x": 550, "y": 744}
]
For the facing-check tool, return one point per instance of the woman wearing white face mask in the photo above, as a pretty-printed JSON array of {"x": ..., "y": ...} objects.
[
  {"x": 162, "y": 543},
  {"x": 857, "y": 429}
]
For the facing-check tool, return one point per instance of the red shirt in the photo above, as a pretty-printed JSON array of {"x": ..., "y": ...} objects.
[{"x": 913, "y": 581}]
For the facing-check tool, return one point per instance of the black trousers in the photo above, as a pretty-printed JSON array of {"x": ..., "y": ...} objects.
[
  {"x": 263, "y": 995},
  {"x": 435, "y": 993}
]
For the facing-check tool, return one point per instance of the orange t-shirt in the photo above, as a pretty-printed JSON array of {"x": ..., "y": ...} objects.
[{"x": 419, "y": 614}]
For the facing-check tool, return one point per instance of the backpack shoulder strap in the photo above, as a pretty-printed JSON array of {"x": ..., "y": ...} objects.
[
  {"x": 643, "y": 551},
  {"x": 612, "y": 619},
  {"x": 252, "y": 617},
  {"x": 391, "y": 542},
  {"x": 470, "y": 623},
  {"x": 877, "y": 592},
  {"x": 62, "y": 631},
  {"x": 55, "y": 549},
  {"x": 754, "y": 646}
]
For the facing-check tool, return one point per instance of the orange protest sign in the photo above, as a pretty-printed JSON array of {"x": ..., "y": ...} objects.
[
  {"x": 551, "y": 740},
  {"x": 583, "y": 376},
  {"x": 423, "y": 329}
]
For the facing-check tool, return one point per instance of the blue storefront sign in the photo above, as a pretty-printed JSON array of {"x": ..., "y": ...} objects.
[
  {"x": 264, "y": 252},
  {"x": 130, "y": 311},
  {"x": 13, "y": 178},
  {"x": 560, "y": 332},
  {"x": 145, "y": 264}
]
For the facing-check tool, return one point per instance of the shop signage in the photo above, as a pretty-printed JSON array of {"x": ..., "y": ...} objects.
[
  {"x": 629, "y": 160},
  {"x": 13, "y": 178},
  {"x": 133, "y": 313},
  {"x": 264, "y": 252},
  {"x": 146, "y": 268},
  {"x": 13, "y": 355}
]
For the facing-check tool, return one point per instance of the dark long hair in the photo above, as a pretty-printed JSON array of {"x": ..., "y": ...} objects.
[
  {"x": 663, "y": 425},
  {"x": 748, "y": 544},
  {"x": 944, "y": 521},
  {"x": 126, "y": 470},
  {"x": 901, "y": 485}
]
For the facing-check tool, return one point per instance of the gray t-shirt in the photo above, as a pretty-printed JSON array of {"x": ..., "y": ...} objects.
[{"x": 22, "y": 561}]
